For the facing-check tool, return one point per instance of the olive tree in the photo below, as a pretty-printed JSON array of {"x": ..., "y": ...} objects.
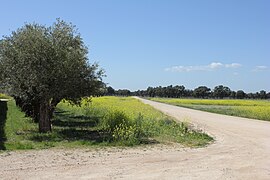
[{"x": 42, "y": 65}]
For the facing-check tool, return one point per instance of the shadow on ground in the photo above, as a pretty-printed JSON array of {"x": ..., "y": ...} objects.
[
  {"x": 70, "y": 127},
  {"x": 3, "y": 118}
]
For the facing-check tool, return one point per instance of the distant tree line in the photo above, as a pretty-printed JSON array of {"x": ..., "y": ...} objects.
[
  {"x": 121, "y": 92},
  {"x": 179, "y": 91}
]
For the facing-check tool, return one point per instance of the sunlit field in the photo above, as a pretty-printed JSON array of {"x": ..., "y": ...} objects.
[{"x": 256, "y": 109}]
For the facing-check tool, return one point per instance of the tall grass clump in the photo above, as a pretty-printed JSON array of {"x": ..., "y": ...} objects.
[{"x": 120, "y": 128}]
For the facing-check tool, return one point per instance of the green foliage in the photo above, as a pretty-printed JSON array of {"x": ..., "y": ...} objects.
[
  {"x": 221, "y": 91},
  {"x": 41, "y": 65},
  {"x": 126, "y": 134},
  {"x": 123, "y": 130},
  {"x": 201, "y": 92},
  {"x": 114, "y": 119},
  {"x": 240, "y": 94}
]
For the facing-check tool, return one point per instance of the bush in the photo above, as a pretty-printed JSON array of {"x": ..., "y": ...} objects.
[
  {"x": 113, "y": 119},
  {"x": 126, "y": 135},
  {"x": 122, "y": 129}
]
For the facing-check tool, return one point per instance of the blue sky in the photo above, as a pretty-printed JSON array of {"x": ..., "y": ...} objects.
[{"x": 143, "y": 43}]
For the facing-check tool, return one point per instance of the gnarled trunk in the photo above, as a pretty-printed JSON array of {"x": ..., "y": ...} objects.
[
  {"x": 44, "y": 117},
  {"x": 54, "y": 103}
]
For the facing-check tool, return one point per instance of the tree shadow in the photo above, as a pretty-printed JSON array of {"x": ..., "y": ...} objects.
[
  {"x": 71, "y": 134},
  {"x": 3, "y": 118},
  {"x": 86, "y": 135},
  {"x": 67, "y": 119},
  {"x": 75, "y": 123},
  {"x": 70, "y": 127}
]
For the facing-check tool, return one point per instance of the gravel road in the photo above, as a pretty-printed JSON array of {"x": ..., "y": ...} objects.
[{"x": 241, "y": 151}]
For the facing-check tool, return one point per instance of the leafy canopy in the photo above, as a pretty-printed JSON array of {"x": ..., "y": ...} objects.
[{"x": 48, "y": 63}]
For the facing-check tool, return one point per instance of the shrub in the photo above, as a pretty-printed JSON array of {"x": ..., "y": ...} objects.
[
  {"x": 126, "y": 134},
  {"x": 122, "y": 129},
  {"x": 113, "y": 119}
]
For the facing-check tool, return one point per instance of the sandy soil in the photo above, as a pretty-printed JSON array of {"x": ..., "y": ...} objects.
[{"x": 241, "y": 151}]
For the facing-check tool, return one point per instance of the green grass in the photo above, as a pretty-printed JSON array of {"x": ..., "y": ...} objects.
[
  {"x": 106, "y": 121},
  {"x": 256, "y": 109},
  {"x": 22, "y": 133}
]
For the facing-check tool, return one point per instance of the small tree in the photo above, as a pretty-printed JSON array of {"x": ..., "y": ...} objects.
[
  {"x": 221, "y": 91},
  {"x": 201, "y": 92},
  {"x": 43, "y": 65},
  {"x": 240, "y": 94},
  {"x": 110, "y": 91},
  {"x": 263, "y": 94}
]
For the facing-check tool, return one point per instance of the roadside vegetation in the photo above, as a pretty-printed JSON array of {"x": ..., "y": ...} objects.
[
  {"x": 105, "y": 121},
  {"x": 256, "y": 109}
]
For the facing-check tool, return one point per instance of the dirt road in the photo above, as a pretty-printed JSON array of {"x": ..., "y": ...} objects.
[{"x": 241, "y": 151}]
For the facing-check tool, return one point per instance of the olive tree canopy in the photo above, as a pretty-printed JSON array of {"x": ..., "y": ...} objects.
[{"x": 42, "y": 65}]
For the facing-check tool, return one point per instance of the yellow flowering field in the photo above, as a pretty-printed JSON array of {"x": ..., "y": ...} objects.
[{"x": 256, "y": 109}]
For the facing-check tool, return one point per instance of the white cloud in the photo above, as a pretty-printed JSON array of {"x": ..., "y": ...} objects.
[
  {"x": 215, "y": 65},
  {"x": 260, "y": 68},
  {"x": 233, "y": 65},
  {"x": 209, "y": 67}
]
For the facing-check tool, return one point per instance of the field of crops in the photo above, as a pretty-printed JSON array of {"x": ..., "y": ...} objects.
[
  {"x": 256, "y": 109},
  {"x": 130, "y": 106}
]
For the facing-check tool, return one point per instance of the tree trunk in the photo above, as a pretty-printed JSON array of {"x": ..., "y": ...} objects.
[
  {"x": 36, "y": 110},
  {"x": 53, "y": 106},
  {"x": 44, "y": 117}
]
